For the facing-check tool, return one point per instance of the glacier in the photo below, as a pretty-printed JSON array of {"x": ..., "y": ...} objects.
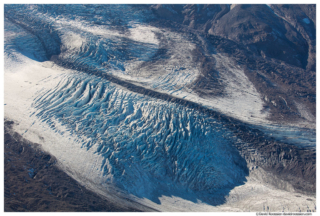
[
  {"x": 119, "y": 92},
  {"x": 147, "y": 145}
]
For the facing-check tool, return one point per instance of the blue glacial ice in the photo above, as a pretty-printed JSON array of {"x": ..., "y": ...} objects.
[
  {"x": 150, "y": 147},
  {"x": 147, "y": 143}
]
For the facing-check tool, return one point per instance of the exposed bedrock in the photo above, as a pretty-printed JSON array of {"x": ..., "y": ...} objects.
[{"x": 283, "y": 32}]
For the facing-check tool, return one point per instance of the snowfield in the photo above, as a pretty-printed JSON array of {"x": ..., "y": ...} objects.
[{"x": 124, "y": 144}]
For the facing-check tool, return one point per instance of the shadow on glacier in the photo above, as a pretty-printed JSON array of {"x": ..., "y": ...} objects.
[
  {"x": 155, "y": 190},
  {"x": 34, "y": 37}
]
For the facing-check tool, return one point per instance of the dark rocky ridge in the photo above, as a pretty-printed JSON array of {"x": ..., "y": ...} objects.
[
  {"x": 255, "y": 26},
  {"x": 264, "y": 33},
  {"x": 295, "y": 14}
]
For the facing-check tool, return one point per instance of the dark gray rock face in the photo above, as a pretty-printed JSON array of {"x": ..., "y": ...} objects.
[
  {"x": 281, "y": 32},
  {"x": 266, "y": 34},
  {"x": 276, "y": 45},
  {"x": 302, "y": 18}
]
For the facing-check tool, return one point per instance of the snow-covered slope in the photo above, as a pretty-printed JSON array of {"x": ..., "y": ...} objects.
[{"x": 113, "y": 97}]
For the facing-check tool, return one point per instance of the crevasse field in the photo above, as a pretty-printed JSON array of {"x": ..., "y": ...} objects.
[{"x": 111, "y": 97}]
